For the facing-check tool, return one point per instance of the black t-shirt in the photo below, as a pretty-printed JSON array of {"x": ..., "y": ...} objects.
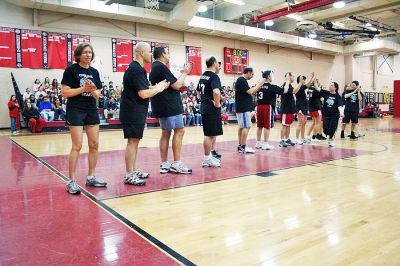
[
  {"x": 243, "y": 100},
  {"x": 74, "y": 76},
  {"x": 287, "y": 101},
  {"x": 267, "y": 94},
  {"x": 314, "y": 99},
  {"x": 301, "y": 98},
  {"x": 133, "y": 108},
  {"x": 352, "y": 104},
  {"x": 207, "y": 83},
  {"x": 331, "y": 103},
  {"x": 167, "y": 103}
]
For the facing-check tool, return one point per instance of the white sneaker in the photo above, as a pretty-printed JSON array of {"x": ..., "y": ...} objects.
[
  {"x": 315, "y": 140},
  {"x": 259, "y": 145},
  {"x": 178, "y": 167},
  {"x": 14, "y": 133},
  {"x": 299, "y": 142},
  {"x": 266, "y": 146},
  {"x": 165, "y": 167},
  {"x": 307, "y": 140},
  {"x": 294, "y": 141},
  {"x": 210, "y": 162},
  {"x": 331, "y": 144},
  {"x": 248, "y": 150}
]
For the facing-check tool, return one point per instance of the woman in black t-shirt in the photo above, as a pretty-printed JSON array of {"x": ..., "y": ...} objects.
[
  {"x": 81, "y": 84},
  {"x": 332, "y": 110}
]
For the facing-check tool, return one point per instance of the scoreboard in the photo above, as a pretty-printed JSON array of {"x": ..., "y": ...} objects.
[{"x": 235, "y": 60}]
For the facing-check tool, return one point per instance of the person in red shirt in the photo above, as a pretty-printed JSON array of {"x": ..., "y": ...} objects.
[{"x": 14, "y": 113}]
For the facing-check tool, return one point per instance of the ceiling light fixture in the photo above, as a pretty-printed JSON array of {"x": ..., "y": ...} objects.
[
  {"x": 339, "y": 24},
  {"x": 236, "y": 2},
  {"x": 295, "y": 17},
  {"x": 202, "y": 9},
  {"x": 312, "y": 35},
  {"x": 339, "y": 4},
  {"x": 269, "y": 23}
]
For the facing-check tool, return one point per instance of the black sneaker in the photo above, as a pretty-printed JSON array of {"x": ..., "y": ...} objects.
[
  {"x": 321, "y": 137},
  {"x": 215, "y": 154},
  {"x": 353, "y": 136},
  {"x": 240, "y": 149},
  {"x": 289, "y": 142}
]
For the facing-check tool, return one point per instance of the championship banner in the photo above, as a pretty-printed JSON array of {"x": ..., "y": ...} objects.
[
  {"x": 7, "y": 48},
  {"x": 193, "y": 55},
  {"x": 73, "y": 40},
  {"x": 57, "y": 50},
  {"x": 122, "y": 54},
  {"x": 31, "y": 47}
]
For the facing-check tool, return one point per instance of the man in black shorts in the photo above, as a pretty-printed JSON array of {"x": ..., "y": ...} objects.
[
  {"x": 209, "y": 88},
  {"x": 167, "y": 106},
  {"x": 288, "y": 108},
  {"x": 133, "y": 112},
  {"x": 352, "y": 98},
  {"x": 244, "y": 106}
]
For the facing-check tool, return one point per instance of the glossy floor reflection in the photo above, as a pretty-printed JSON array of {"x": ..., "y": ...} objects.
[
  {"x": 40, "y": 224},
  {"x": 314, "y": 205}
]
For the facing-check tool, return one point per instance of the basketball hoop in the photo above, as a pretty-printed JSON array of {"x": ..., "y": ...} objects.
[{"x": 152, "y": 4}]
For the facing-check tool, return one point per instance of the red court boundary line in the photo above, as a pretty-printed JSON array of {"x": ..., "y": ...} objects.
[{"x": 136, "y": 229}]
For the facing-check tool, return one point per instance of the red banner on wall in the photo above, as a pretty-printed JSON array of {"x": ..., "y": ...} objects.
[
  {"x": 7, "y": 48},
  {"x": 73, "y": 40},
  {"x": 123, "y": 53},
  {"x": 193, "y": 55},
  {"x": 31, "y": 46},
  {"x": 57, "y": 50}
]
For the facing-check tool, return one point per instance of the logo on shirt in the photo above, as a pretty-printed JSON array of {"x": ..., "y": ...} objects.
[
  {"x": 330, "y": 102},
  {"x": 82, "y": 78}
]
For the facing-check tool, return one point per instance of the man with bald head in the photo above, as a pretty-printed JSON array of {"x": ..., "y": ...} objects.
[{"x": 133, "y": 111}]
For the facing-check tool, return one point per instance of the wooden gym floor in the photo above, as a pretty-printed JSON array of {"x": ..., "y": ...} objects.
[{"x": 303, "y": 205}]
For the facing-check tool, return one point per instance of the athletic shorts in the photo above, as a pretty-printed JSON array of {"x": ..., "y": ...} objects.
[
  {"x": 171, "y": 122},
  {"x": 316, "y": 114},
  {"x": 244, "y": 119},
  {"x": 287, "y": 119},
  {"x": 133, "y": 131},
  {"x": 265, "y": 116},
  {"x": 82, "y": 118},
  {"x": 212, "y": 124},
  {"x": 302, "y": 111},
  {"x": 350, "y": 116}
]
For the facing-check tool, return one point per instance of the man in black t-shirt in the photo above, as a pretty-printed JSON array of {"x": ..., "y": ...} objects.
[
  {"x": 352, "y": 98},
  {"x": 244, "y": 106},
  {"x": 133, "y": 111},
  {"x": 209, "y": 88},
  {"x": 288, "y": 108},
  {"x": 167, "y": 106},
  {"x": 302, "y": 105},
  {"x": 266, "y": 102}
]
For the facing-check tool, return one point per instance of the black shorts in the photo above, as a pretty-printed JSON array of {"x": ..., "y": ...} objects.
[
  {"x": 133, "y": 131},
  {"x": 302, "y": 110},
  {"x": 350, "y": 116},
  {"x": 212, "y": 124},
  {"x": 82, "y": 118}
]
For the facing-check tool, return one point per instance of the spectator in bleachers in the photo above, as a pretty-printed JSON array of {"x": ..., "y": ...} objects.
[
  {"x": 26, "y": 94},
  {"x": 189, "y": 113},
  {"x": 55, "y": 85},
  {"x": 224, "y": 115},
  {"x": 111, "y": 108},
  {"x": 41, "y": 92},
  {"x": 13, "y": 107},
  {"x": 196, "y": 112},
  {"x": 38, "y": 101},
  {"x": 46, "y": 109},
  {"x": 46, "y": 84},
  {"x": 33, "y": 101},
  {"x": 36, "y": 123},
  {"x": 52, "y": 97},
  {"x": 36, "y": 85},
  {"x": 110, "y": 85},
  {"x": 59, "y": 113}
]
